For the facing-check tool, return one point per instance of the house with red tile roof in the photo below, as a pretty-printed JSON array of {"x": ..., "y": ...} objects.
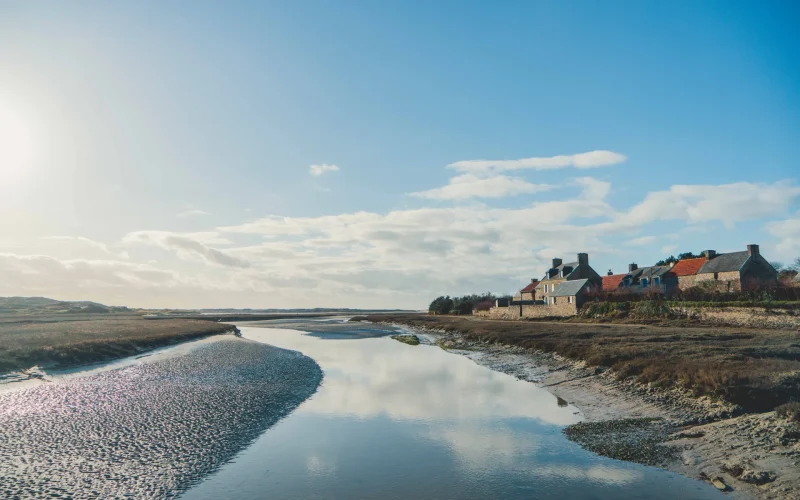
[
  {"x": 687, "y": 267},
  {"x": 529, "y": 292},
  {"x": 613, "y": 282}
]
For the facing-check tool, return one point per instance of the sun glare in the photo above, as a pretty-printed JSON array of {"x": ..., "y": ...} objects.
[{"x": 16, "y": 145}]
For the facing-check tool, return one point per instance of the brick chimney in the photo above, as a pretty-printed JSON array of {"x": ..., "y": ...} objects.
[
  {"x": 710, "y": 254},
  {"x": 583, "y": 259},
  {"x": 752, "y": 250},
  {"x": 557, "y": 262},
  {"x": 632, "y": 267}
]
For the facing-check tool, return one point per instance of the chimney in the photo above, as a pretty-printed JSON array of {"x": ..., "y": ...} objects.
[
  {"x": 752, "y": 250},
  {"x": 583, "y": 259},
  {"x": 710, "y": 254},
  {"x": 610, "y": 272},
  {"x": 632, "y": 267},
  {"x": 534, "y": 280},
  {"x": 556, "y": 263}
]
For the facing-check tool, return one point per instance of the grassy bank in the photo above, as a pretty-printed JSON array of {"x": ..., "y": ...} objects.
[
  {"x": 757, "y": 369},
  {"x": 66, "y": 340}
]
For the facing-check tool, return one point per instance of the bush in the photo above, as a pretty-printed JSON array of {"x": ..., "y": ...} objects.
[{"x": 789, "y": 411}]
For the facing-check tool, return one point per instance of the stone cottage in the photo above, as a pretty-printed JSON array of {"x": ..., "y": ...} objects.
[
  {"x": 561, "y": 272},
  {"x": 735, "y": 271},
  {"x": 568, "y": 297},
  {"x": 529, "y": 292},
  {"x": 685, "y": 270}
]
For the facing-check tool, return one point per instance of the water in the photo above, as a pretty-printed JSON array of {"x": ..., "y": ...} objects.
[{"x": 398, "y": 421}]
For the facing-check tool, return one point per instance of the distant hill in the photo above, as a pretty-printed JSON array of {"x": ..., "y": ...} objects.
[{"x": 42, "y": 305}]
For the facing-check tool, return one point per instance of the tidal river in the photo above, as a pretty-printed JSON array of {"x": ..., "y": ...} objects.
[
  {"x": 397, "y": 421},
  {"x": 228, "y": 418}
]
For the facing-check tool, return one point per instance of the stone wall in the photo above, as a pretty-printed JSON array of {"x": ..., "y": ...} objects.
[
  {"x": 756, "y": 317},
  {"x": 533, "y": 311},
  {"x": 723, "y": 282}
]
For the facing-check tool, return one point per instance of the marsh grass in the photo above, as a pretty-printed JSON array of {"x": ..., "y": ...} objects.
[
  {"x": 68, "y": 342},
  {"x": 757, "y": 369}
]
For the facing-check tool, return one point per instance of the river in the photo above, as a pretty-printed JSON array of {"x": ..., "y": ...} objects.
[{"x": 397, "y": 421}]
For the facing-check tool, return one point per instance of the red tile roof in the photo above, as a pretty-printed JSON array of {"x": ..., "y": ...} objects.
[
  {"x": 611, "y": 283},
  {"x": 530, "y": 287},
  {"x": 687, "y": 267}
]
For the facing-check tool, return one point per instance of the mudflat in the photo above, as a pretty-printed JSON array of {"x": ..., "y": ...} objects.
[
  {"x": 70, "y": 340},
  {"x": 149, "y": 430}
]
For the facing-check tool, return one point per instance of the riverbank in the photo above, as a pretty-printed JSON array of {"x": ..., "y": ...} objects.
[
  {"x": 71, "y": 340},
  {"x": 702, "y": 437},
  {"x": 152, "y": 429}
]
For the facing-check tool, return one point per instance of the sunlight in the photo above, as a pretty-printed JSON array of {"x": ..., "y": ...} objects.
[{"x": 16, "y": 145}]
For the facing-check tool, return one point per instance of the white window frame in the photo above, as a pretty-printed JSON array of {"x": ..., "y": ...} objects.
[{"x": 570, "y": 298}]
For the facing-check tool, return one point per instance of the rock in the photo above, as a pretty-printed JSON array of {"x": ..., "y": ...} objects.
[
  {"x": 719, "y": 484},
  {"x": 409, "y": 339},
  {"x": 757, "y": 477}
]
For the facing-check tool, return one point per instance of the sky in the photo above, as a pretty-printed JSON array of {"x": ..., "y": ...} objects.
[{"x": 379, "y": 154}]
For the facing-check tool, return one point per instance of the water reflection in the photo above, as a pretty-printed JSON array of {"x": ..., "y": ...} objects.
[{"x": 398, "y": 421}]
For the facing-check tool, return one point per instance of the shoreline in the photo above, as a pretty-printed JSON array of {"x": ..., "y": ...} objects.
[
  {"x": 671, "y": 429},
  {"x": 213, "y": 399}
]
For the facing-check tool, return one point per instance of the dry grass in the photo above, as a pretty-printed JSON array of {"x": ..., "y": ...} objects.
[
  {"x": 757, "y": 369},
  {"x": 70, "y": 340}
]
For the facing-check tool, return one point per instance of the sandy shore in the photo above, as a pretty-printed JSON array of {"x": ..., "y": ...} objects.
[
  {"x": 149, "y": 430},
  {"x": 696, "y": 437}
]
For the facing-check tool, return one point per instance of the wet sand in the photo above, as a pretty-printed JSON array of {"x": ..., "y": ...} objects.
[{"x": 149, "y": 430}]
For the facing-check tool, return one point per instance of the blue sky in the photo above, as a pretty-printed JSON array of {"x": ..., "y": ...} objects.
[{"x": 159, "y": 154}]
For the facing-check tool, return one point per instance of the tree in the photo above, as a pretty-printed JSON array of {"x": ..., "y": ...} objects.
[
  {"x": 441, "y": 305},
  {"x": 778, "y": 266},
  {"x": 688, "y": 255}
]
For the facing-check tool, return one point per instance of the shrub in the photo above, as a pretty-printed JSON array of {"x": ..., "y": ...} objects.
[{"x": 789, "y": 411}]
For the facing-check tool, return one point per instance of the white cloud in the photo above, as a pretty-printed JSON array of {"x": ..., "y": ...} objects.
[
  {"x": 47, "y": 275},
  {"x": 191, "y": 213},
  {"x": 186, "y": 247},
  {"x": 788, "y": 233},
  {"x": 727, "y": 203},
  {"x": 317, "y": 170},
  {"x": 668, "y": 249},
  {"x": 473, "y": 186},
  {"x": 592, "y": 159}
]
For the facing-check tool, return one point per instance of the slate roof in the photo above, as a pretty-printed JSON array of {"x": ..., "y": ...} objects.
[
  {"x": 573, "y": 265},
  {"x": 725, "y": 262},
  {"x": 611, "y": 283},
  {"x": 650, "y": 272},
  {"x": 687, "y": 267},
  {"x": 569, "y": 288},
  {"x": 531, "y": 286}
]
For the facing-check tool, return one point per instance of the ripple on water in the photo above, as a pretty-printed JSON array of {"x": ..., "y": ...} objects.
[{"x": 149, "y": 430}]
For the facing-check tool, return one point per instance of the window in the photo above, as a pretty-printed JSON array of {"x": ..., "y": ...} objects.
[
  {"x": 571, "y": 299},
  {"x": 656, "y": 281},
  {"x": 545, "y": 289},
  {"x": 644, "y": 282}
]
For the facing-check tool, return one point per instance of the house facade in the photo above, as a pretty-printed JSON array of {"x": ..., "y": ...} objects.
[
  {"x": 734, "y": 271},
  {"x": 561, "y": 272}
]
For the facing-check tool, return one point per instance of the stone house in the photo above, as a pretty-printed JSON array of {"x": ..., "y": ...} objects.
[
  {"x": 560, "y": 272},
  {"x": 733, "y": 271},
  {"x": 651, "y": 279},
  {"x": 529, "y": 292},
  {"x": 569, "y": 296},
  {"x": 685, "y": 270}
]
